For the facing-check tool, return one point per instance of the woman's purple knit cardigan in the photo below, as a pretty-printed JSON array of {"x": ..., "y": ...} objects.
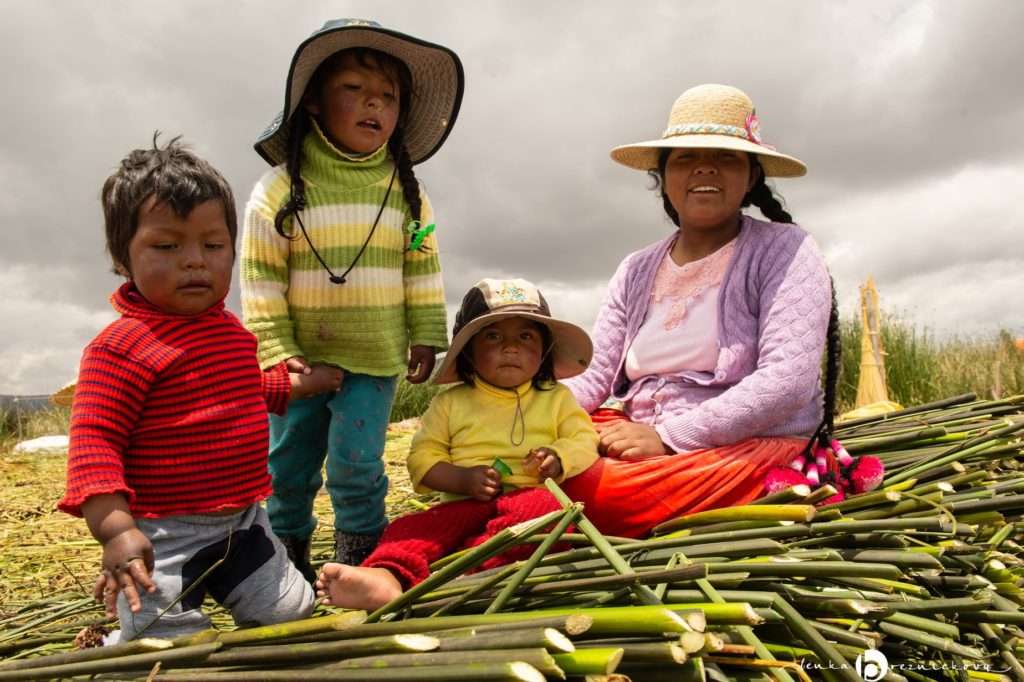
[{"x": 773, "y": 310}]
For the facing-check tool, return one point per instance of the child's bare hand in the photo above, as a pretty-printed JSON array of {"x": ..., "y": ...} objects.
[
  {"x": 297, "y": 365},
  {"x": 421, "y": 363},
  {"x": 127, "y": 566},
  {"x": 481, "y": 483},
  {"x": 319, "y": 379},
  {"x": 544, "y": 463}
]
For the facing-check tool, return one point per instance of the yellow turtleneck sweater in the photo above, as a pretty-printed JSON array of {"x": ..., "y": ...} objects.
[{"x": 473, "y": 425}]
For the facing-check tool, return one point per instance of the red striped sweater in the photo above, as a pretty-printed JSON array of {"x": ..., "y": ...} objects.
[{"x": 171, "y": 412}]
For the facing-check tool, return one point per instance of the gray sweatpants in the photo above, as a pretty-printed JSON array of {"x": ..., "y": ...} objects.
[{"x": 256, "y": 582}]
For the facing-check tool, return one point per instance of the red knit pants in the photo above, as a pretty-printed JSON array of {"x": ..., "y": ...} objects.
[{"x": 412, "y": 542}]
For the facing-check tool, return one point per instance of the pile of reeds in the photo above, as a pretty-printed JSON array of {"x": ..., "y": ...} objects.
[{"x": 920, "y": 580}]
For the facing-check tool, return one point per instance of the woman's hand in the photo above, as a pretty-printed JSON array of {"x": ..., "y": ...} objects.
[
  {"x": 421, "y": 363},
  {"x": 627, "y": 440}
]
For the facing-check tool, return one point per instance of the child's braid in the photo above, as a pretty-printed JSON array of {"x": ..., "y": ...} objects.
[
  {"x": 298, "y": 127},
  {"x": 406, "y": 175}
]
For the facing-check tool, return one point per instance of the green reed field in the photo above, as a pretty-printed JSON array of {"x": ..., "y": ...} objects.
[{"x": 920, "y": 368}]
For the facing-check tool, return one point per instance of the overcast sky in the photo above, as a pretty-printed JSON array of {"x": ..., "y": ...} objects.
[{"x": 909, "y": 116}]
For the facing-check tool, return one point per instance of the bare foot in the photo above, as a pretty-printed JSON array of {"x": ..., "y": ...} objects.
[{"x": 356, "y": 587}]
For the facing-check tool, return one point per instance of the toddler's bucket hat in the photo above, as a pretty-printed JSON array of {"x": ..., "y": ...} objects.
[
  {"x": 437, "y": 80},
  {"x": 711, "y": 117},
  {"x": 491, "y": 300}
]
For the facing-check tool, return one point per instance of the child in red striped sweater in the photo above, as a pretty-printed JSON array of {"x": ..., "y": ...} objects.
[{"x": 169, "y": 435}]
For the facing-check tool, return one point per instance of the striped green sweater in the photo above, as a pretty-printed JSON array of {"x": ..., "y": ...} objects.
[{"x": 393, "y": 298}]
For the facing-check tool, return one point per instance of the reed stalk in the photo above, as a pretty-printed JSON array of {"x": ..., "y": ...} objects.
[
  {"x": 491, "y": 547},
  {"x": 522, "y": 638},
  {"x": 139, "y": 646},
  {"x": 645, "y": 594},
  {"x": 539, "y": 658},
  {"x": 594, "y": 661},
  {"x": 572, "y": 513},
  {"x": 797, "y": 513},
  {"x": 516, "y": 671},
  {"x": 144, "y": 661}
]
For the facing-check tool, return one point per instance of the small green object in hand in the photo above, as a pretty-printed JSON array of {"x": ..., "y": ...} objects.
[
  {"x": 419, "y": 233},
  {"x": 502, "y": 468}
]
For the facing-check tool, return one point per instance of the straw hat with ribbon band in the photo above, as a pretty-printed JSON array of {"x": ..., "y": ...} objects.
[
  {"x": 712, "y": 117},
  {"x": 437, "y": 80},
  {"x": 492, "y": 300}
]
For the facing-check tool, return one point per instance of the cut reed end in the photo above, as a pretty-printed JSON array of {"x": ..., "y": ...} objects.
[
  {"x": 695, "y": 620},
  {"x": 752, "y": 616},
  {"x": 417, "y": 642},
  {"x": 691, "y": 642},
  {"x": 577, "y": 624},
  {"x": 678, "y": 622},
  {"x": 712, "y": 642},
  {"x": 557, "y": 642},
  {"x": 525, "y": 672}
]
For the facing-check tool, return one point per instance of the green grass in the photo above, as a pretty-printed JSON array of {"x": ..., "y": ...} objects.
[{"x": 411, "y": 400}]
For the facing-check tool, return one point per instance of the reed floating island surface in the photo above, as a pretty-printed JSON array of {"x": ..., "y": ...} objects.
[{"x": 924, "y": 574}]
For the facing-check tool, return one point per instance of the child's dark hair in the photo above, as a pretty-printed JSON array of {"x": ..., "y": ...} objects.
[
  {"x": 762, "y": 196},
  {"x": 175, "y": 177},
  {"x": 299, "y": 126},
  {"x": 543, "y": 380}
]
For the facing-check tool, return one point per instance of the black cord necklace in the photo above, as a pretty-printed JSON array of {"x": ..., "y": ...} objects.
[{"x": 341, "y": 279}]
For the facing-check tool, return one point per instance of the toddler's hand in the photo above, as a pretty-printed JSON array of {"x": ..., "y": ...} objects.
[
  {"x": 544, "y": 463},
  {"x": 127, "y": 566},
  {"x": 297, "y": 365},
  {"x": 481, "y": 483},
  {"x": 319, "y": 379},
  {"x": 421, "y": 363}
]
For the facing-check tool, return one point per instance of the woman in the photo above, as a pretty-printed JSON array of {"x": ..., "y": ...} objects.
[{"x": 709, "y": 340}]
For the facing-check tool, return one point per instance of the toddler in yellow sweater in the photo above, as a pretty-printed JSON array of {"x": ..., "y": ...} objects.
[{"x": 485, "y": 444}]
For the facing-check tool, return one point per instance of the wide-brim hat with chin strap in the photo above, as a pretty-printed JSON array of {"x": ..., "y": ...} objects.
[
  {"x": 437, "y": 84},
  {"x": 492, "y": 300},
  {"x": 711, "y": 117}
]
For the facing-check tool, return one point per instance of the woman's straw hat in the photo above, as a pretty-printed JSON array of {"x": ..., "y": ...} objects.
[
  {"x": 711, "y": 117},
  {"x": 437, "y": 83},
  {"x": 491, "y": 300}
]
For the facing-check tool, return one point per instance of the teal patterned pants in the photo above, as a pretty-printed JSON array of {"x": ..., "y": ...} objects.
[{"x": 348, "y": 429}]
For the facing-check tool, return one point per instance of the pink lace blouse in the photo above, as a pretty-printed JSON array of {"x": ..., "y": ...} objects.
[{"x": 680, "y": 331}]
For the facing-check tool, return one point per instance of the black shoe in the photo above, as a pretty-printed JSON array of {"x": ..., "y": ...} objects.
[
  {"x": 298, "y": 553},
  {"x": 353, "y": 548}
]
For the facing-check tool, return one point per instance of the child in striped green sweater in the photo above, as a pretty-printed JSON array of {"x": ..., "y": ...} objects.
[{"x": 340, "y": 264}]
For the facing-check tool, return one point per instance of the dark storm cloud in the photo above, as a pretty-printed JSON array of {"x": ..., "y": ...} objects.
[{"x": 907, "y": 114}]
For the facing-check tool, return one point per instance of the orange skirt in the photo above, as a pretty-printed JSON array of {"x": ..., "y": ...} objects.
[{"x": 629, "y": 498}]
